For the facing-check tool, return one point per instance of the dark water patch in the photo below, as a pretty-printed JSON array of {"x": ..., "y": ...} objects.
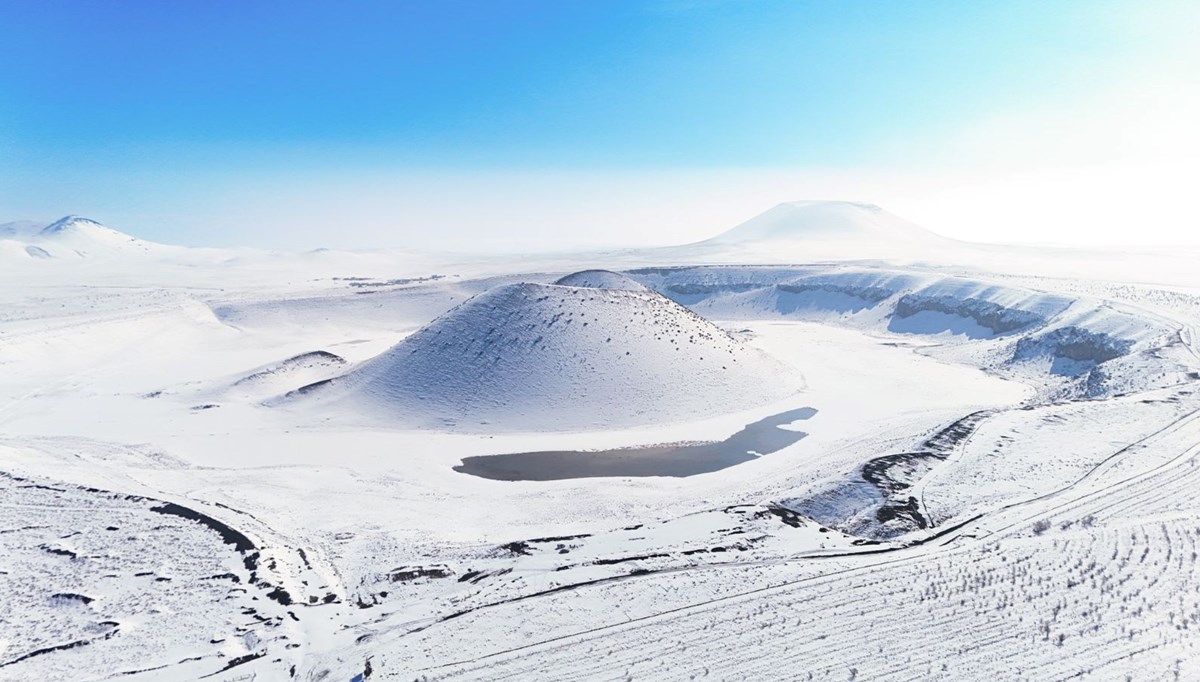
[{"x": 675, "y": 460}]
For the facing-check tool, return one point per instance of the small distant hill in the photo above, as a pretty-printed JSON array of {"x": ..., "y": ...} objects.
[{"x": 601, "y": 279}]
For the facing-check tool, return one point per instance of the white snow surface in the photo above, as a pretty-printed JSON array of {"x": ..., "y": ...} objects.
[{"x": 996, "y": 478}]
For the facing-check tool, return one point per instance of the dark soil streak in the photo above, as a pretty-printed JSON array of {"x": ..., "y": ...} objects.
[
  {"x": 59, "y": 647},
  {"x": 893, "y": 475},
  {"x": 229, "y": 535}
]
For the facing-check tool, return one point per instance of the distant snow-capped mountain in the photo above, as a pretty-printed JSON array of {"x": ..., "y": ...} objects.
[
  {"x": 71, "y": 237},
  {"x": 83, "y": 237},
  {"x": 824, "y": 221}
]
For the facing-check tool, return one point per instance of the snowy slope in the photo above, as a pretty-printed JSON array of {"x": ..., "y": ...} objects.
[{"x": 550, "y": 357}]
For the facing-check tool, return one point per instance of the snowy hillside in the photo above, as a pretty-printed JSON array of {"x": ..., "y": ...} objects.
[
  {"x": 76, "y": 237},
  {"x": 536, "y": 357}
]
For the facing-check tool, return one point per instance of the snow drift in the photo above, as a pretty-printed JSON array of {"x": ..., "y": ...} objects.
[
  {"x": 276, "y": 377},
  {"x": 552, "y": 357}
]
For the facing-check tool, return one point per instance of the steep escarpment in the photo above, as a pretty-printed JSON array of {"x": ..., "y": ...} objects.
[
  {"x": 973, "y": 309},
  {"x": 1070, "y": 346}
]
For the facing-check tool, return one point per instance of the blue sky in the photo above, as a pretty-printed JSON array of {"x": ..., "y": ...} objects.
[{"x": 455, "y": 122}]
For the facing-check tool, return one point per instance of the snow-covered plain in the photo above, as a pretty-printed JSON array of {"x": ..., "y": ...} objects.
[{"x": 233, "y": 464}]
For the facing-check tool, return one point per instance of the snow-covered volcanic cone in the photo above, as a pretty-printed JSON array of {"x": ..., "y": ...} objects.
[
  {"x": 83, "y": 237},
  {"x": 523, "y": 357},
  {"x": 601, "y": 279},
  {"x": 825, "y": 221},
  {"x": 804, "y": 231}
]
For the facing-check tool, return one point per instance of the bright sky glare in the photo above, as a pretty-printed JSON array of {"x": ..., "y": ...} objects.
[{"x": 538, "y": 123}]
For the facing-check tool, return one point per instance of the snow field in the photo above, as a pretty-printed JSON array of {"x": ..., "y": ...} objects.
[{"x": 1052, "y": 419}]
